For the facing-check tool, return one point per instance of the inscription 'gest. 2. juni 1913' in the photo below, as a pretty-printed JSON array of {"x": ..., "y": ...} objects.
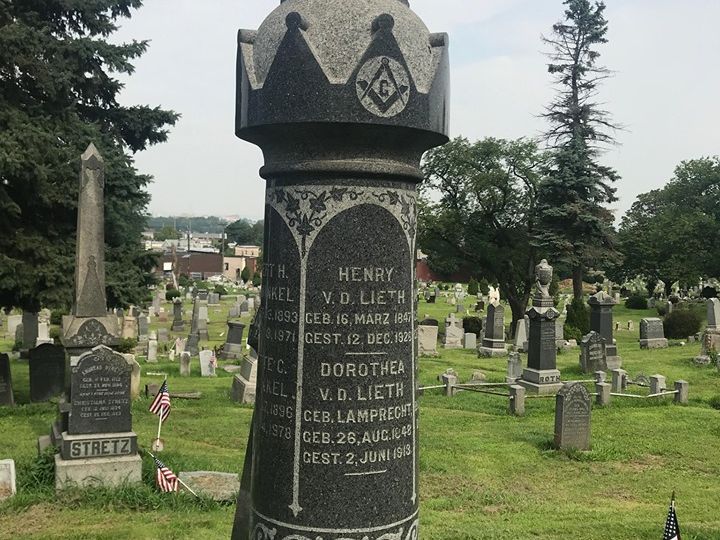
[{"x": 337, "y": 384}]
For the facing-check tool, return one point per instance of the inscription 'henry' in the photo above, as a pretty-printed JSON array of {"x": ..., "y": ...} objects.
[{"x": 371, "y": 274}]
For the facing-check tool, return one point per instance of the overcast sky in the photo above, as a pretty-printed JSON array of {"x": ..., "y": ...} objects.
[{"x": 665, "y": 92}]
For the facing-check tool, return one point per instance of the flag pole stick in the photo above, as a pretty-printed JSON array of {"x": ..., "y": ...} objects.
[
  {"x": 162, "y": 411},
  {"x": 183, "y": 483}
]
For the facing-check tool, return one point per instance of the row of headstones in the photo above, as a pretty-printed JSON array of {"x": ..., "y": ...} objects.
[
  {"x": 491, "y": 342},
  {"x": 48, "y": 365},
  {"x": 573, "y": 404}
]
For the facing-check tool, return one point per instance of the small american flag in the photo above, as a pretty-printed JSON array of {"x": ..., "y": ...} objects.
[
  {"x": 166, "y": 479},
  {"x": 161, "y": 403},
  {"x": 672, "y": 528}
]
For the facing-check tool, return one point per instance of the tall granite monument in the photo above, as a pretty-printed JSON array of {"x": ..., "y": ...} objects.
[
  {"x": 343, "y": 97},
  {"x": 542, "y": 376},
  {"x": 601, "y": 321},
  {"x": 90, "y": 325}
]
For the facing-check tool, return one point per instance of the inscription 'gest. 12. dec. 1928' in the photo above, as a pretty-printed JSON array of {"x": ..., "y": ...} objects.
[{"x": 336, "y": 403}]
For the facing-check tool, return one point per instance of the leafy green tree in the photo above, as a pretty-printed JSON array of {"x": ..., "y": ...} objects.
[
  {"x": 58, "y": 94},
  {"x": 246, "y": 274},
  {"x": 473, "y": 287},
  {"x": 245, "y": 233},
  {"x": 168, "y": 232},
  {"x": 478, "y": 213},
  {"x": 672, "y": 234},
  {"x": 576, "y": 226}
]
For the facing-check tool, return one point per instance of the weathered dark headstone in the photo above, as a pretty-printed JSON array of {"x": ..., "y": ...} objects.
[
  {"x": 541, "y": 375},
  {"x": 6, "y": 390},
  {"x": 100, "y": 382},
  {"x": 592, "y": 353},
  {"x": 573, "y": 409},
  {"x": 493, "y": 344},
  {"x": 47, "y": 372},
  {"x": 652, "y": 334},
  {"x": 601, "y": 321},
  {"x": 178, "y": 325},
  {"x": 30, "y": 329},
  {"x": 343, "y": 114}
]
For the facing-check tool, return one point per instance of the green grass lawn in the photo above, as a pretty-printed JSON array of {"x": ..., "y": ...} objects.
[{"x": 483, "y": 474}]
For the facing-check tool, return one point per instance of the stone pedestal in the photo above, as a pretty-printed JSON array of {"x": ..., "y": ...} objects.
[
  {"x": 343, "y": 99},
  {"x": 245, "y": 383},
  {"x": 233, "y": 348},
  {"x": 98, "y": 472}
]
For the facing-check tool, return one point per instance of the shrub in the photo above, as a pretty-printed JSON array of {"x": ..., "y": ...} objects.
[
  {"x": 473, "y": 287},
  {"x": 126, "y": 345},
  {"x": 221, "y": 290},
  {"x": 246, "y": 274},
  {"x": 56, "y": 316},
  {"x": 472, "y": 325},
  {"x": 483, "y": 286},
  {"x": 183, "y": 281},
  {"x": 681, "y": 323},
  {"x": 662, "y": 310},
  {"x": 715, "y": 402},
  {"x": 636, "y": 301},
  {"x": 578, "y": 317},
  {"x": 172, "y": 295},
  {"x": 257, "y": 280},
  {"x": 54, "y": 334},
  {"x": 572, "y": 333}
]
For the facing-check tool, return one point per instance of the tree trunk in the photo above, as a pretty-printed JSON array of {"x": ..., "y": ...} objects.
[
  {"x": 578, "y": 283},
  {"x": 518, "y": 306},
  {"x": 668, "y": 287}
]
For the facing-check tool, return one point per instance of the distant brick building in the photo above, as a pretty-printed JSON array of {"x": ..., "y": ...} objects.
[{"x": 194, "y": 264}]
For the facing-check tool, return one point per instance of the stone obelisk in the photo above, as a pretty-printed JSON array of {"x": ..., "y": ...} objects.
[
  {"x": 89, "y": 325},
  {"x": 343, "y": 97}
]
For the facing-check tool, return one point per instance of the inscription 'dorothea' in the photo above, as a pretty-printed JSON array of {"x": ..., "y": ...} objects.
[{"x": 344, "y": 414}]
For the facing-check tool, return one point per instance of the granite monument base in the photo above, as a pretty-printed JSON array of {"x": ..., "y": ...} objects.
[
  {"x": 492, "y": 348},
  {"x": 541, "y": 382},
  {"x": 232, "y": 351},
  {"x": 97, "y": 445},
  {"x": 105, "y": 472},
  {"x": 658, "y": 343}
]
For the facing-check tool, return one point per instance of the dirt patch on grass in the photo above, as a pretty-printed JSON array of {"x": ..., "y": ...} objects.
[
  {"x": 33, "y": 520},
  {"x": 644, "y": 463},
  {"x": 465, "y": 494}
]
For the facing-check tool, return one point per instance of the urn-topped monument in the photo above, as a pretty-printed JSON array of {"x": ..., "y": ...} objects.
[
  {"x": 343, "y": 97},
  {"x": 542, "y": 376}
]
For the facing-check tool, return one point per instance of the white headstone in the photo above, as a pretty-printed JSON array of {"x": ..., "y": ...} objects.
[
  {"x": 207, "y": 363},
  {"x": 7, "y": 479}
]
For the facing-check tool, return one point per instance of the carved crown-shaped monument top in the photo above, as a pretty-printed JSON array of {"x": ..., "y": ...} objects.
[{"x": 333, "y": 62}]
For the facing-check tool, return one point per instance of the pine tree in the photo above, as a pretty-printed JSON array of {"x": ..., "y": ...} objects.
[
  {"x": 576, "y": 225},
  {"x": 58, "y": 94}
]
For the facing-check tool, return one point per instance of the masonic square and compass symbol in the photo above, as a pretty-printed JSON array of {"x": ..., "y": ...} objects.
[{"x": 383, "y": 86}]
